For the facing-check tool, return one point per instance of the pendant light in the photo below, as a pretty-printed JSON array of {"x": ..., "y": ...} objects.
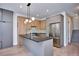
[
  {"x": 28, "y": 19},
  {"x": 33, "y": 18}
]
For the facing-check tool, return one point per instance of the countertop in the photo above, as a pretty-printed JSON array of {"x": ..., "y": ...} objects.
[{"x": 39, "y": 38}]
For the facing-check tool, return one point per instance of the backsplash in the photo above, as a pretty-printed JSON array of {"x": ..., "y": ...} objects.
[{"x": 36, "y": 31}]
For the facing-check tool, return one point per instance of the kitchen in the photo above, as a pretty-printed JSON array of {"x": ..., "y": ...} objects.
[
  {"x": 38, "y": 35},
  {"x": 31, "y": 30}
]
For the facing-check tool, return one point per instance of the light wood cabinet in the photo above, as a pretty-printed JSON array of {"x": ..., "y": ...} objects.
[
  {"x": 33, "y": 23},
  {"x": 43, "y": 25},
  {"x": 21, "y": 25},
  {"x": 39, "y": 24},
  {"x": 21, "y": 30}
]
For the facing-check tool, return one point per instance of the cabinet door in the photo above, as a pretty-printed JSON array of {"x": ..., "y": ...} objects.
[
  {"x": 21, "y": 26},
  {"x": 38, "y": 24},
  {"x": 7, "y": 15},
  {"x": 43, "y": 25},
  {"x": 7, "y": 35},
  {"x": 32, "y": 23}
]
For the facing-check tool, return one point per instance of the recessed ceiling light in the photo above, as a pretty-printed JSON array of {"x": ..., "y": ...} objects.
[
  {"x": 47, "y": 10},
  {"x": 20, "y": 6},
  {"x": 37, "y": 15}
]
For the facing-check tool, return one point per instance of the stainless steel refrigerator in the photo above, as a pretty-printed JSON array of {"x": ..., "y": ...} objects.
[{"x": 56, "y": 32}]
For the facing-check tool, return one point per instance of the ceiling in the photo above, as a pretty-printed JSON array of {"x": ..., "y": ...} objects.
[{"x": 41, "y": 10}]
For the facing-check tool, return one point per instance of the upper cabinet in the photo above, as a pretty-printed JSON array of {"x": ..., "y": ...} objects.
[
  {"x": 7, "y": 15},
  {"x": 39, "y": 24},
  {"x": 33, "y": 23},
  {"x": 23, "y": 28},
  {"x": 43, "y": 25},
  {"x": 21, "y": 25}
]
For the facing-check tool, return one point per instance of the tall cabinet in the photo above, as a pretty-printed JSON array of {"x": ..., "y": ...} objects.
[{"x": 6, "y": 28}]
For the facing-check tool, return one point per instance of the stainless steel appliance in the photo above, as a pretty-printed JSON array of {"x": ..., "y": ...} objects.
[{"x": 56, "y": 31}]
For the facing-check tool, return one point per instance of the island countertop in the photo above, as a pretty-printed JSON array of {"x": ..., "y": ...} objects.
[{"x": 37, "y": 38}]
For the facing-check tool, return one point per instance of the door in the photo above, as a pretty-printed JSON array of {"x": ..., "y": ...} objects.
[
  {"x": 7, "y": 15},
  {"x": 0, "y": 14},
  {"x": 7, "y": 28},
  {"x": 7, "y": 36},
  {"x": 0, "y": 28},
  {"x": 0, "y": 34}
]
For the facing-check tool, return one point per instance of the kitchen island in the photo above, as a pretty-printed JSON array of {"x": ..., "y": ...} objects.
[{"x": 39, "y": 46}]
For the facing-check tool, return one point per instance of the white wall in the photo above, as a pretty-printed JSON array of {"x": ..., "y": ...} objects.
[
  {"x": 65, "y": 29},
  {"x": 15, "y": 41},
  {"x": 76, "y": 23},
  {"x": 70, "y": 28}
]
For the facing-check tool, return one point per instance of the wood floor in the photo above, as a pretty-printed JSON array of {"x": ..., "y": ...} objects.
[
  {"x": 15, "y": 51},
  {"x": 70, "y": 50}
]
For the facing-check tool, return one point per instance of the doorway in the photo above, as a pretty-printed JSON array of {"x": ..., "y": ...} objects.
[{"x": 70, "y": 28}]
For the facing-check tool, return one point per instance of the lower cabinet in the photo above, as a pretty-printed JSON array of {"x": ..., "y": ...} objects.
[
  {"x": 56, "y": 43},
  {"x": 44, "y": 48}
]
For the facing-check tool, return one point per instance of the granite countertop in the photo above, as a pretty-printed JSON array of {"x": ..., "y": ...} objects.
[{"x": 38, "y": 38}]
